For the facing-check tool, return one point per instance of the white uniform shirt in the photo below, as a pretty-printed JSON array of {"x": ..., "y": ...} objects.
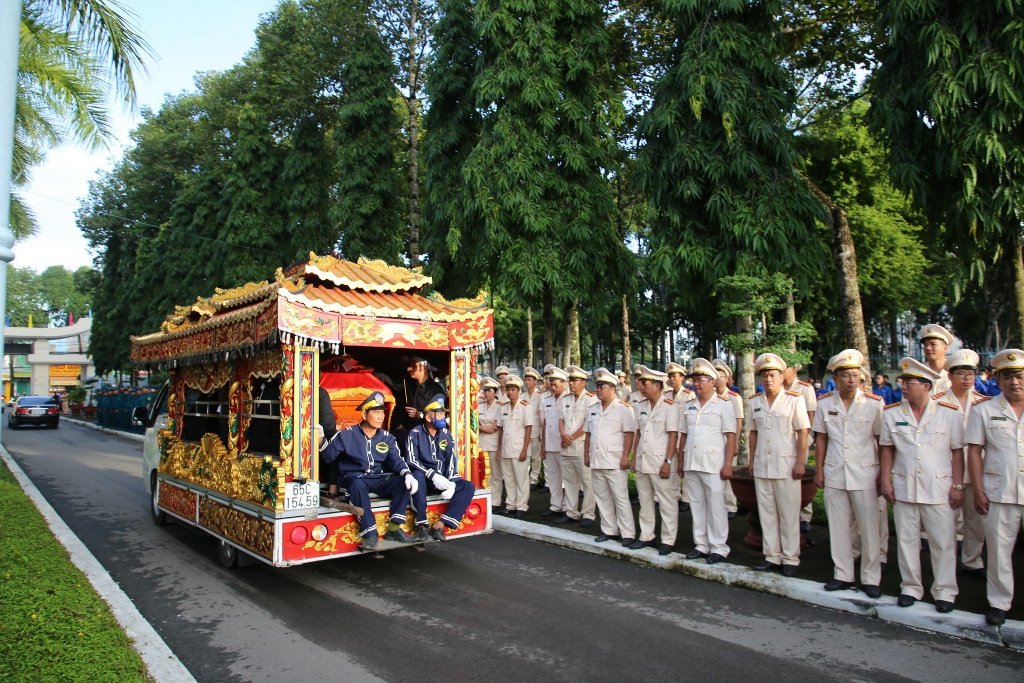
[
  {"x": 654, "y": 424},
  {"x": 706, "y": 428},
  {"x": 536, "y": 407},
  {"x": 489, "y": 413},
  {"x": 608, "y": 428},
  {"x": 551, "y": 409},
  {"x": 806, "y": 389},
  {"x": 513, "y": 422},
  {"x": 994, "y": 425},
  {"x": 943, "y": 383},
  {"x": 776, "y": 427},
  {"x": 636, "y": 397},
  {"x": 851, "y": 463},
  {"x": 965, "y": 412},
  {"x": 574, "y": 414},
  {"x": 736, "y": 400},
  {"x": 923, "y": 469}
]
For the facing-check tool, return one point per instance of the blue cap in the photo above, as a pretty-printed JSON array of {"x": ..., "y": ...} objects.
[{"x": 375, "y": 401}]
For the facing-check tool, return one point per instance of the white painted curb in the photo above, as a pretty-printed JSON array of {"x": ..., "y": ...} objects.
[
  {"x": 161, "y": 663},
  {"x": 106, "y": 430},
  {"x": 921, "y": 616}
]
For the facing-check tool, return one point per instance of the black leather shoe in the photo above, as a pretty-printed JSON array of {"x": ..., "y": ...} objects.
[
  {"x": 549, "y": 513},
  {"x": 639, "y": 545},
  {"x": 586, "y": 522},
  {"x": 995, "y": 617},
  {"x": 790, "y": 570},
  {"x": 626, "y": 542},
  {"x": 715, "y": 558},
  {"x": 872, "y": 591},
  {"x": 767, "y": 567},
  {"x": 664, "y": 549},
  {"x": 564, "y": 519},
  {"x": 905, "y": 600},
  {"x": 943, "y": 606},
  {"x": 601, "y": 538},
  {"x": 438, "y": 534},
  {"x": 495, "y": 509},
  {"x": 974, "y": 573},
  {"x": 696, "y": 555},
  {"x": 422, "y": 533},
  {"x": 396, "y": 535},
  {"x": 369, "y": 541},
  {"x": 837, "y": 585}
]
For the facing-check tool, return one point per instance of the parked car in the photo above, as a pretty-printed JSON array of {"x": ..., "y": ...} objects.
[{"x": 34, "y": 410}]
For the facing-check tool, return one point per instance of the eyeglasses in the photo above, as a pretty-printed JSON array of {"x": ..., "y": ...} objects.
[
  {"x": 964, "y": 374},
  {"x": 701, "y": 378},
  {"x": 910, "y": 382}
]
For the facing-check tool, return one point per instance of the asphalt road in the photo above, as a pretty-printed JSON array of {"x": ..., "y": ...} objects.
[{"x": 490, "y": 608}]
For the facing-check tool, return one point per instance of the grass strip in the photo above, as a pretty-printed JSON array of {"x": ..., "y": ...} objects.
[{"x": 53, "y": 625}]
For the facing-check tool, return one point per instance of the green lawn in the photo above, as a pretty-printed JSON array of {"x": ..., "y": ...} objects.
[{"x": 53, "y": 625}]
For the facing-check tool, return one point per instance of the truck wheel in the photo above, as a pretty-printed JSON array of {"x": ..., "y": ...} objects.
[
  {"x": 158, "y": 515},
  {"x": 227, "y": 554}
]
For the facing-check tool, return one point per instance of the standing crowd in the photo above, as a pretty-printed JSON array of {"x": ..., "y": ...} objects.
[{"x": 948, "y": 457}]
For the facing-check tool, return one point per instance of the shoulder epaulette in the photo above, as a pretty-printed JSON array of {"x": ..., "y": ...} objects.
[
  {"x": 625, "y": 404},
  {"x": 525, "y": 403},
  {"x": 793, "y": 393},
  {"x": 668, "y": 401},
  {"x": 734, "y": 393},
  {"x": 806, "y": 384},
  {"x": 590, "y": 393},
  {"x": 827, "y": 394},
  {"x": 981, "y": 399},
  {"x": 755, "y": 395},
  {"x": 892, "y": 405},
  {"x": 939, "y": 395},
  {"x": 867, "y": 394},
  {"x": 954, "y": 406}
]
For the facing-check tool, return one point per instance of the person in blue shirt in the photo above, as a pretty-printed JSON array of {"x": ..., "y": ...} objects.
[
  {"x": 882, "y": 389},
  {"x": 430, "y": 452},
  {"x": 369, "y": 462}
]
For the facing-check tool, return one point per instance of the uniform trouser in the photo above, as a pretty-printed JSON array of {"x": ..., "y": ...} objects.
[
  {"x": 973, "y": 532},
  {"x": 856, "y": 509},
  {"x": 611, "y": 493},
  {"x": 535, "y": 461},
  {"x": 516, "y": 474},
  {"x": 807, "y": 512},
  {"x": 938, "y": 521},
  {"x": 1002, "y": 524},
  {"x": 553, "y": 479},
  {"x": 576, "y": 477},
  {"x": 360, "y": 486},
  {"x": 452, "y": 516},
  {"x": 707, "y": 506},
  {"x": 883, "y": 532},
  {"x": 649, "y": 486},
  {"x": 778, "y": 507},
  {"x": 684, "y": 494},
  {"x": 730, "y": 497},
  {"x": 497, "y": 480}
]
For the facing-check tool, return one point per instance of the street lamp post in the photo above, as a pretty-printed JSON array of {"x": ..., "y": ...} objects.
[{"x": 10, "y": 26}]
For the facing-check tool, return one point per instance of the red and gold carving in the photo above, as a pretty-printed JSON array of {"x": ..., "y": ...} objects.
[
  {"x": 305, "y": 362},
  {"x": 307, "y": 322},
  {"x": 393, "y": 333},
  {"x": 287, "y": 426},
  {"x": 181, "y": 502},
  {"x": 256, "y": 535},
  {"x": 473, "y": 332}
]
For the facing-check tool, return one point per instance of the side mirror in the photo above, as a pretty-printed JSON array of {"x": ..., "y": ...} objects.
[{"x": 140, "y": 416}]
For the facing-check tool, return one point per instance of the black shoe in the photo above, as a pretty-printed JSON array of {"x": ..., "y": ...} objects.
[
  {"x": 731, "y": 515},
  {"x": 905, "y": 600},
  {"x": 684, "y": 506},
  {"x": 549, "y": 512},
  {"x": 837, "y": 585},
  {"x": 586, "y": 522},
  {"x": 715, "y": 558},
  {"x": 790, "y": 570},
  {"x": 696, "y": 555},
  {"x": 438, "y": 534},
  {"x": 664, "y": 549},
  {"x": 767, "y": 567},
  {"x": 995, "y": 617},
  {"x": 564, "y": 519},
  {"x": 396, "y": 535},
  {"x": 495, "y": 509},
  {"x": 805, "y": 527},
  {"x": 639, "y": 545},
  {"x": 626, "y": 542},
  {"x": 369, "y": 541},
  {"x": 974, "y": 572},
  {"x": 422, "y": 533},
  {"x": 943, "y": 606},
  {"x": 872, "y": 591},
  {"x": 601, "y": 538}
]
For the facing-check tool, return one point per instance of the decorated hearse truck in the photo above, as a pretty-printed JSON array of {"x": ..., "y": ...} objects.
[{"x": 232, "y": 446}]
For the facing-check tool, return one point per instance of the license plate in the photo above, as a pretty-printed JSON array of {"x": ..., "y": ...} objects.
[
  {"x": 301, "y": 496},
  {"x": 39, "y": 411}
]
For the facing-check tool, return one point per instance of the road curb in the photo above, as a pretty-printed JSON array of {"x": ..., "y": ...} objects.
[
  {"x": 160, "y": 661},
  {"x": 922, "y": 616},
  {"x": 106, "y": 430}
]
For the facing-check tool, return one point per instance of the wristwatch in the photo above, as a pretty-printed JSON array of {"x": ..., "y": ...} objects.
[
  {"x": 669, "y": 461},
  {"x": 958, "y": 487}
]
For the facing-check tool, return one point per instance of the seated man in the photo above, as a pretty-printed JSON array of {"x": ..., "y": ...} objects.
[
  {"x": 431, "y": 455},
  {"x": 369, "y": 462}
]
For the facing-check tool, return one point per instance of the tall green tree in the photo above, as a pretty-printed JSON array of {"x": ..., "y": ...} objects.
[{"x": 948, "y": 97}]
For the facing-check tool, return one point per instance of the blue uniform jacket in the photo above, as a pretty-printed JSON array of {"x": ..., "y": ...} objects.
[
  {"x": 430, "y": 454},
  {"x": 357, "y": 454}
]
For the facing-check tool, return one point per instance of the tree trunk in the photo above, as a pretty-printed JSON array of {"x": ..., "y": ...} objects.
[
  {"x": 1018, "y": 291},
  {"x": 894, "y": 342},
  {"x": 549, "y": 327},
  {"x": 574, "y": 321},
  {"x": 627, "y": 352},
  {"x": 791, "y": 318},
  {"x": 845, "y": 256},
  {"x": 567, "y": 358},
  {"x": 414, "y": 134},
  {"x": 529, "y": 336},
  {"x": 744, "y": 381}
]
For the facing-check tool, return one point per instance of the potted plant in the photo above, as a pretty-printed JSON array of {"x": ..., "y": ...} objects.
[{"x": 76, "y": 398}]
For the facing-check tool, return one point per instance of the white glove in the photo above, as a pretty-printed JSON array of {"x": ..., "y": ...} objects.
[
  {"x": 439, "y": 481},
  {"x": 411, "y": 484},
  {"x": 320, "y": 431},
  {"x": 448, "y": 492}
]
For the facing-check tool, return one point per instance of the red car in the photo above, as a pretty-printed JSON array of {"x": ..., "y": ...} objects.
[{"x": 33, "y": 410}]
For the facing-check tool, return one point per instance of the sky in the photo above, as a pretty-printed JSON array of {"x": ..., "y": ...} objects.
[{"x": 188, "y": 36}]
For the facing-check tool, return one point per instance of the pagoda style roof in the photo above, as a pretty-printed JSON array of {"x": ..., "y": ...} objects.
[{"x": 327, "y": 302}]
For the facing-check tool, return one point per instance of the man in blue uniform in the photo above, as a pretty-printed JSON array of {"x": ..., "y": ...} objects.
[
  {"x": 431, "y": 455},
  {"x": 369, "y": 462}
]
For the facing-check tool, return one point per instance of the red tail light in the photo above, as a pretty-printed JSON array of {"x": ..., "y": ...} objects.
[
  {"x": 53, "y": 411},
  {"x": 22, "y": 411}
]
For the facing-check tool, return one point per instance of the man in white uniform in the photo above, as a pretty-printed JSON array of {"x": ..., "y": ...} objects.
[
  {"x": 792, "y": 382},
  {"x": 922, "y": 473},
  {"x": 551, "y": 420},
  {"x": 723, "y": 390},
  {"x": 935, "y": 340},
  {"x": 489, "y": 413},
  {"x": 610, "y": 428},
  {"x": 679, "y": 395},
  {"x": 657, "y": 425},
  {"x": 514, "y": 429},
  {"x": 997, "y": 428},
  {"x": 575, "y": 477},
  {"x": 707, "y": 444},
  {"x": 846, "y": 428},
  {"x": 533, "y": 382},
  {"x": 778, "y": 457}
]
